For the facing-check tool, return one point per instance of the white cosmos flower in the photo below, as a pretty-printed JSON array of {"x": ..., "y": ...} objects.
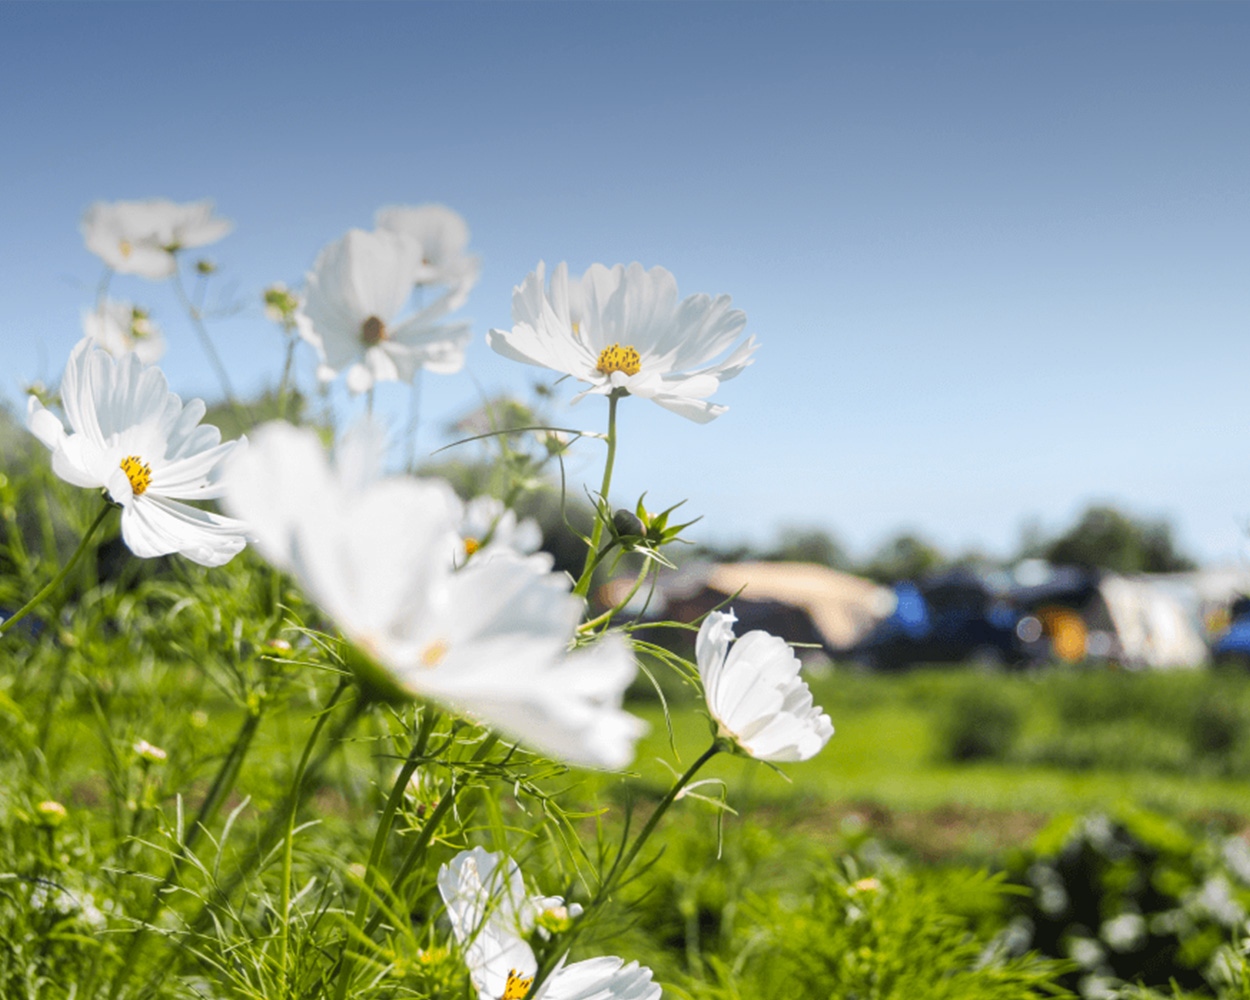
[
  {"x": 491, "y": 914},
  {"x": 488, "y": 640},
  {"x": 755, "y": 693},
  {"x": 143, "y": 237},
  {"x": 488, "y": 528},
  {"x": 133, "y": 437},
  {"x": 354, "y": 295},
  {"x": 120, "y": 327},
  {"x": 623, "y": 328},
  {"x": 443, "y": 235}
]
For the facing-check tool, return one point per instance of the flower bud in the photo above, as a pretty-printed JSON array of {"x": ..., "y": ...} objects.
[
  {"x": 51, "y": 814},
  {"x": 149, "y": 753}
]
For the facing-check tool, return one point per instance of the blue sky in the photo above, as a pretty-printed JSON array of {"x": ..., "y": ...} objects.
[{"x": 996, "y": 255}]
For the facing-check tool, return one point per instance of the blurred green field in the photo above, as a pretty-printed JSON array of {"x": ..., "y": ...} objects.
[{"x": 889, "y": 747}]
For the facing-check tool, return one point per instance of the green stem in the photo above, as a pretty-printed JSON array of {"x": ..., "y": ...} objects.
[
  {"x": 379, "y": 842},
  {"x": 422, "y": 842},
  {"x": 620, "y": 867},
  {"x": 217, "y": 792},
  {"x": 102, "y": 290},
  {"x": 588, "y": 571},
  {"x": 296, "y": 797},
  {"x": 55, "y": 582},
  {"x": 612, "y": 612},
  {"x": 214, "y": 359},
  {"x": 284, "y": 385}
]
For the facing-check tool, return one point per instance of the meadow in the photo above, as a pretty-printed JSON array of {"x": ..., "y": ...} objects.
[{"x": 281, "y": 725}]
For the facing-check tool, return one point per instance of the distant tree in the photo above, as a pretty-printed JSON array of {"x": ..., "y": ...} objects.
[
  {"x": 809, "y": 544},
  {"x": 904, "y": 557},
  {"x": 1107, "y": 538}
]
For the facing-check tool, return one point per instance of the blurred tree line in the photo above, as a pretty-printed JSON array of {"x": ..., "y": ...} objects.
[
  {"x": 1103, "y": 537},
  {"x": 511, "y": 446}
]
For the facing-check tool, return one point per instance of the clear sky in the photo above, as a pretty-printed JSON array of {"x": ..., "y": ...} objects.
[{"x": 997, "y": 255}]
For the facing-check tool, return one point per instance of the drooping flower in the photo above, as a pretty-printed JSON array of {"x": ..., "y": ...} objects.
[
  {"x": 443, "y": 236},
  {"x": 491, "y": 915},
  {"x": 488, "y": 640},
  {"x": 755, "y": 693},
  {"x": 133, "y": 437},
  {"x": 120, "y": 327},
  {"x": 489, "y": 528},
  {"x": 144, "y": 237},
  {"x": 355, "y": 293},
  {"x": 623, "y": 329}
]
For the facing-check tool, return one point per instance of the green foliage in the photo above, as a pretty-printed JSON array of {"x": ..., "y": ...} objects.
[
  {"x": 1136, "y": 898},
  {"x": 1108, "y": 538},
  {"x": 904, "y": 557},
  {"x": 984, "y": 721},
  {"x": 893, "y": 935}
]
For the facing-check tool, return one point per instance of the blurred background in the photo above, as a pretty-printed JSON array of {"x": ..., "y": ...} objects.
[{"x": 995, "y": 255}]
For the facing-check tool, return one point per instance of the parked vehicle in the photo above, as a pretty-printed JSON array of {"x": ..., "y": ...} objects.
[{"x": 952, "y": 617}]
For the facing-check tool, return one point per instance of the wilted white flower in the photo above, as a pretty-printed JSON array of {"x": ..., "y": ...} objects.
[
  {"x": 143, "y": 237},
  {"x": 623, "y": 328},
  {"x": 443, "y": 236},
  {"x": 755, "y": 693},
  {"x": 488, "y": 528},
  {"x": 491, "y": 914},
  {"x": 152, "y": 754},
  {"x": 120, "y": 327},
  {"x": 489, "y": 640},
  {"x": 133, "y": 437},
  {"x": 355, "y": 292}
]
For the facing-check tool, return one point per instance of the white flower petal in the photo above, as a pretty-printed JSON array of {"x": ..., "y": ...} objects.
[
  {"x": 756, "y": 694},
  {"x": 568, "y": 326},
  {"x": 118, "y": 410}
]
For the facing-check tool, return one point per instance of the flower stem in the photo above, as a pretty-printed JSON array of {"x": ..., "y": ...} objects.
[
  {"x": 217, "y": 792},
  {"x": 214, "y": 359},
  {"x": 295, "y": 797},
  {"x": 588, "y": 570},
  {"x": 612, "y": 612},
  {"x": 621, "y": 865},
  {"x": 285, "y": 384},
  {"x": 380, "y": 838},
  {"x": 55, "y": 582}
]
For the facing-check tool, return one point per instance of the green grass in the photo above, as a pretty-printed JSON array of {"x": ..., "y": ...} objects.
[{"x": 886, "y": 750}]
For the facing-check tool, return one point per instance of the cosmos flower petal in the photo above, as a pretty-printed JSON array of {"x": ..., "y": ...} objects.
[
  {"x": 489, "y": 912},
  {"x": 143, "y": 237},
  {"x": 605, "y": 978},
  {"x": 755, "y": 693},
  {"x": 629, "y": 321},
  {"x": 154, "y": 526},
  {"x": 125, "y": 422},
  {"x": 350, "y": 314},
  {"x": 488, "y": 640}
]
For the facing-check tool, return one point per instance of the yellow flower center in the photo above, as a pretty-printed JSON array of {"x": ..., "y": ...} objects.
[
  {"x": 138, "y": 472},
  {"x": 517, "y": 987},
  {"x": 372, "y": 331},
  {"x": 125, "y": 247},
  {"x": 471, "y": 545},
  {"x": 433, "y": 653},
  {"x": 619, "y": 359}
]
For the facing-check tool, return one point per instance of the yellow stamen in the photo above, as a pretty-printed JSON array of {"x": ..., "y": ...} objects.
[
  {"x": 471, "y": 545},
  {"x": 517, "y": 987},
  {"x": 372, "y": 331},
  {"x": 125, "y": 247},
  {"x": 619, "y": 359},
  {"x": 138, "y": 472},
  {"x": 433, "y": 653}
]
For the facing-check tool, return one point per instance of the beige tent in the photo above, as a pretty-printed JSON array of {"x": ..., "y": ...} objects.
[{"x": 841, "y": 606}]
